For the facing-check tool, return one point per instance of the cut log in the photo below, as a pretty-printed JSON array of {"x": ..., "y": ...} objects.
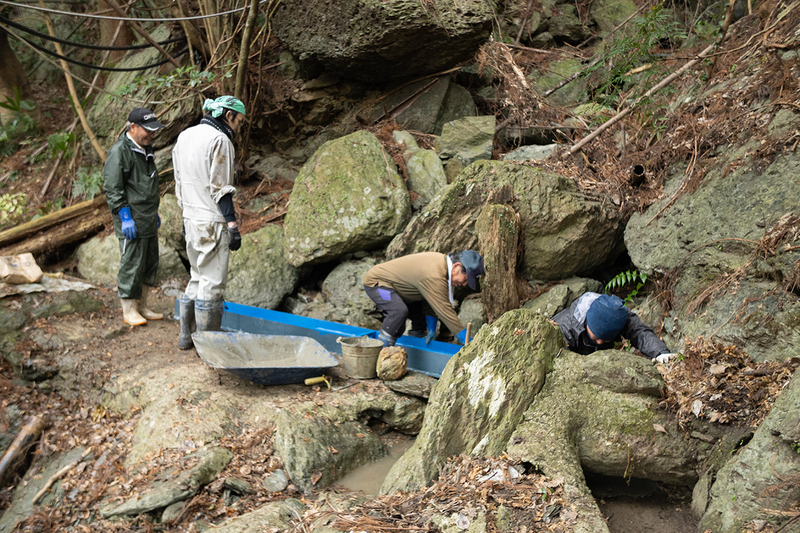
[
  {"x": 29, "y": 229},
  {"x": 16, "y": 453},
  {"x": 63, "y": 229},
  {"x": 499, "y": 234}
]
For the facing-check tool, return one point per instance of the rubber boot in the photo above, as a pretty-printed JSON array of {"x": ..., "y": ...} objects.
[
  {"x": 142, "y": 307},
  {"x": 208, "y": 315},
  {"x": 130, "y": 314},
  {"x": 386, "y": 339},
  {"x": 188, "y": 325}
]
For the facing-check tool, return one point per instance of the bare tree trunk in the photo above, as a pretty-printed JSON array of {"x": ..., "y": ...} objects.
[
  {"x": 499, "y": 231},
  {"x": 12, "y": 76},
  {"x": 244, "y": 51}
]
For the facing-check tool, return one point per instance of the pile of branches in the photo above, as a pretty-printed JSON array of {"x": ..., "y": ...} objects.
[
  {"x": 467, "y": 488},
  {"x": 720, "y": 383}
]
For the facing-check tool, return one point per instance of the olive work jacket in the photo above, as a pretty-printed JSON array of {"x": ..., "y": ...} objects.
[
  {"x": 131, "y": 179},
  {"x": 572, "y": 322}
]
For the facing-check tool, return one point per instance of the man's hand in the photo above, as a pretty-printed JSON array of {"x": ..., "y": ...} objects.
[
  {"x": 664, "y": 358},
  {"x": 128, "y": 225},
  {"x": 235, "y": 241}
]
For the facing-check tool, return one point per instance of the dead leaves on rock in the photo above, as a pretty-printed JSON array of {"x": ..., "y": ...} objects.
[
  {"x": 466, "y": 489},
  {"x": 722, "y": 384}
]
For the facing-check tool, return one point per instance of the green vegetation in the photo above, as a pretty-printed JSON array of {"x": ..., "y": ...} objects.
[
  {"x": 627, "y": 278},
  {"x": 632, "y": 54},
  {"x": 12, "y": 208},
  {"x": 187, "y": 76},
  {"x": 87, "y": 184},
  {"x": 59, "y": 143}
]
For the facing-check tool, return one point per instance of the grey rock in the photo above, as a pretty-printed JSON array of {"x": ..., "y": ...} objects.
[
  {"x": 239, "y": 486},
  {"x": 557, "y": 72},
  {"x": 317, "y": 450},
  {"x": 472, "y": 312},
  {"x": 210, "y": 463},
  {"x": 276, "y": 481},
  {"x": 480, "y": 397},
  {"x": 413, "y": 384},
  {"x": 566, "y": 26},
  {"x": 467, "y": 140},
  {"x": 344, "y": 286},
  {"x": 258, "y": 273},
  {"x": 565, "y": 232},
  {"x": 759, "y": 477},
  {"x": 608, "y": 14},
  {"x": 272, "y": 516},
  {"x": 531, "y": 152},
  {"x": 171, "y": 512},
  {"x": 373, "y": 42},
  {"x": 348, "y": 197}
]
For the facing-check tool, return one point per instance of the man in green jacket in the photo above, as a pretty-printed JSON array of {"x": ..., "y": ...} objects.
[
  {"x": 131, "y": 187},
  {"x": 420, "y": 287}
]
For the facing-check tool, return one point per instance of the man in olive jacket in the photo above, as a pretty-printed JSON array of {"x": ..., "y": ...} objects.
[
  {"x": 131, "y": 187},
  {"x": 420, "y": 287}
]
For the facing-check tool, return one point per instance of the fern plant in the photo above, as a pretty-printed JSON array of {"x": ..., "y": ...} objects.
[
  {"x": 87, "y": 184},
  {"x": 628, "y": 277}
]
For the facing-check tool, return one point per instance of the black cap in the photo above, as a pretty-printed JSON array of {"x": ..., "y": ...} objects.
[
  {"x": 473, "y": 264},
  {"x": 145, "y": 118}
]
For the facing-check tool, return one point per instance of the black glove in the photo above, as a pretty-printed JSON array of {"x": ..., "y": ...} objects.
[{"x": 235, "y": 238}]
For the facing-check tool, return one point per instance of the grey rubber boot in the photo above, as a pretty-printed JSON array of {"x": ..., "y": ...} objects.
[
  {"x": 187, "y": 323},
  {"x": 208, "y": 314}
]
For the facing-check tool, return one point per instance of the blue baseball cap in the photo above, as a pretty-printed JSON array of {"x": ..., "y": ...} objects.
[{"x": 473, "y": 264}]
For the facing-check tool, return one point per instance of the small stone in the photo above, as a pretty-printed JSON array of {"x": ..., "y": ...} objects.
[
  {"x": 238, "y": 485},
  {"x": 276, "y": 481}
]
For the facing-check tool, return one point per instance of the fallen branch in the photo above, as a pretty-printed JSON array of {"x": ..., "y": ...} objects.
[
  {"x": 58, "y": 475},
  {"x": 19, "y": 448},
  {"x": 666, "y": 81}
]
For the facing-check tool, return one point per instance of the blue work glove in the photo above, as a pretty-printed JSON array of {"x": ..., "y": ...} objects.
[
  {"x": 430, "y": 323},
  {"x": 158, "y": 221},
  {"x": 128, "y": 225},
  {"x": 462, "y": 336}
]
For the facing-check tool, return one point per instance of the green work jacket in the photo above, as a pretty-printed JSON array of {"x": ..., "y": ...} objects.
[{"x": 131, "y": 179}]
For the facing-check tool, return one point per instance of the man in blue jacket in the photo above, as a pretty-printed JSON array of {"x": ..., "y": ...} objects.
[
  {"x": 596, "y": 321},
  {"x": 131, "y": 187}
]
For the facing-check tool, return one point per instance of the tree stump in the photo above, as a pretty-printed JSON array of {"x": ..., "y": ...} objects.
[{"x": 499, "y": 231}]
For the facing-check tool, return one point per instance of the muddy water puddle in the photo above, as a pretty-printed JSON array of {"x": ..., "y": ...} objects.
[{"x": 369, "y": 478}]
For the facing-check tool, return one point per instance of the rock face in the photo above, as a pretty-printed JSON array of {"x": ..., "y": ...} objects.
[
  {"x": 258, "y": 273},
  {"x": 481, "y": 396},
  {"x": 763, "y": 477},
  {"x": 320, "y": 444},
  {"x": 374, "y": 41},
  {"x": 348, "y": 197},
  {"x": 565, "y": 233},
  {"x": 710, "y": 233}
]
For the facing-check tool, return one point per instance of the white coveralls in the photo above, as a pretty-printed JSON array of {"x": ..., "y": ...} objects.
[{"x": 203, "y": 159}]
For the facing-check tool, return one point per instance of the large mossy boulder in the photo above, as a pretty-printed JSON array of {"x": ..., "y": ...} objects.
[
  {"x": 374, "y": 41},
  {"x": 258, "y": 273},
  {"x": 565, "y": 232},
  {"x": 727, "y": 284},
  {"x": 481, "y": 396},
  {"x": 347, "y": 197}
]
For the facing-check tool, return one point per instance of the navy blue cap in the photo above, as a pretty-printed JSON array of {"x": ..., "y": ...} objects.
[
  {"x": 473, "y": 264},
  {"x": 606, "y": 317}
]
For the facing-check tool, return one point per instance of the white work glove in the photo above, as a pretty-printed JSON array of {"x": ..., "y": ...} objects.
[{"x": 664, "y": 358}]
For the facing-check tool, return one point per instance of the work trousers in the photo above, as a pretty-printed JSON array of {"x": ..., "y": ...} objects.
[
  {"x": 396, "y": 310},
  {"x": 207, "y": 248},
  {"x": 138, "y": 265}
]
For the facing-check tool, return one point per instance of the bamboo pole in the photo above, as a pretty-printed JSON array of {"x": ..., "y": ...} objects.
[
  {"x": 72, "y": 92},
  {"x": 666, "y": 81}
]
